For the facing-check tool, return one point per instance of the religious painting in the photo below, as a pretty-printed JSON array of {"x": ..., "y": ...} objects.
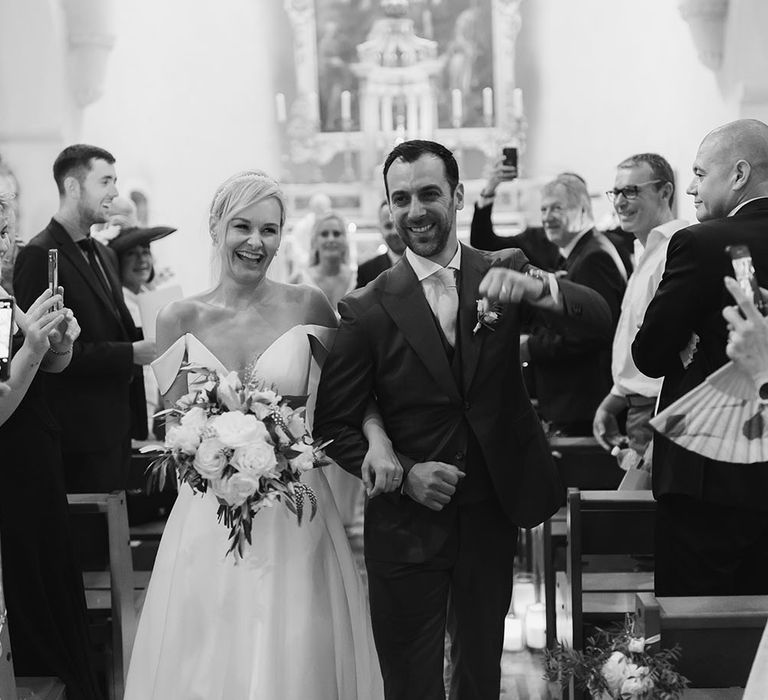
[{"x": 462, "y": 30}]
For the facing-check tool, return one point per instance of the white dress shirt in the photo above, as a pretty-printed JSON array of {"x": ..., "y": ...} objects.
[
  {"x": 431, "y": 285},
  {"x": 641, "y": 288}
]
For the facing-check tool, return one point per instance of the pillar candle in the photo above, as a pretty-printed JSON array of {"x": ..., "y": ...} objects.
[
  {"x": 456, "y": 111},
  {"x": 346, "y": 105},
  {"x": 280, "y": 108},
  {"x": 488, "y": 103},
  {"x": 517, "y": 103}
]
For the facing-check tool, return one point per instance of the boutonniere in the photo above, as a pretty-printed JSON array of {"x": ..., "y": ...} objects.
[{"x": 488, "y": 315}]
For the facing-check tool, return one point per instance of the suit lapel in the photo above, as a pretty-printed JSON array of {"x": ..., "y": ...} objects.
[
  {"x": 404, "y": 300},
  {"x": 70, "y": 250},
  {"x": 473, "y": 269}
]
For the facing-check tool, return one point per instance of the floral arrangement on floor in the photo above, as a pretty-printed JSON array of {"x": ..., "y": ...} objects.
[
  {"x": 618, "y": 665},
  {"x": 244, "y": 442}
]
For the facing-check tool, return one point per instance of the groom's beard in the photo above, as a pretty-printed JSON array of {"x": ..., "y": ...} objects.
[{"x": 434, "y": 244}]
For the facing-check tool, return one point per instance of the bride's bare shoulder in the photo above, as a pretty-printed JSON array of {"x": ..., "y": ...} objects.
[
  {"x": 309, "y": 304},
  {"x": 183, "y": 314}
]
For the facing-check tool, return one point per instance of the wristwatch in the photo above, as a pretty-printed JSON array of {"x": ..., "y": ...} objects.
[{"x": 543, "y": 277}]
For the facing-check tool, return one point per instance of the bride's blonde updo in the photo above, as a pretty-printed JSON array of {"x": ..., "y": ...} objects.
[{"x": 237, "y": 193}]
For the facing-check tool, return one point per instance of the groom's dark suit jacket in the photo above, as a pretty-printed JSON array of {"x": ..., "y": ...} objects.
[
  {"x": 689, "y": 300},
  {"x": 389, "y": 345},
  {"x": 94, "y": 396}
]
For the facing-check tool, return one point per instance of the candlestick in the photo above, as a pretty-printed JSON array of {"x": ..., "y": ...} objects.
[
  {"x": 346, "y": 106},
  {"x": 456, "y": 107},
  {"x": 536, "y": 626},
  {"x": 517, "y": 103},
  {"x": 488, "y": 105},
  {"x": 280, "y": 110}
]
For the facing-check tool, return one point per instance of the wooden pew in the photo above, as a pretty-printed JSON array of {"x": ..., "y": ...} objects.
[
  {"x": 113, "y": 592},
  {"x": 582, "y": 464},
  {"x": 609, "y": 527},
  {"x": 718, "y": 635}
]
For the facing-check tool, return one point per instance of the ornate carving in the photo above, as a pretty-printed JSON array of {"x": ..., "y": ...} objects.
[{"x": 706, "y": 19}]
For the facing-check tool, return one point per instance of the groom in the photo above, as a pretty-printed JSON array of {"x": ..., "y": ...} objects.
[{"x": 440, "y": 549}]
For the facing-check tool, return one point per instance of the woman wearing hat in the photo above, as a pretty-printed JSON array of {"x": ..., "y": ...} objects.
[{"x": 136, "y": 268}]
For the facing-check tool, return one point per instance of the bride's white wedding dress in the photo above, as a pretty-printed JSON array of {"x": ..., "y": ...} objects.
[{"x": 288, "y": 622}]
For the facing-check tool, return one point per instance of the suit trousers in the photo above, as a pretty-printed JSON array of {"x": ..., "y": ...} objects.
[
  {"x": 710, "y": 549},
  {"x": 466, "y": 588}
]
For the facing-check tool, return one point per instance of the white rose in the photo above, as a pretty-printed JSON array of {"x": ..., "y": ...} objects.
[
  {"x": 294, "y": 420},
  {"x": 236, "y": 429},
  {"x": 260, "y": 410},
  {"x": 184, "y": 438},
  {"x": 615, "y": 671},
  {"x": 267, "y": 396},
  {"x": 306, "y": 459},
  {"x": 256, "y": 459},
  {"x": 235, "y": 489},
  {"x": 210, "y": 458},
  {"x": 636, "y": 644},
  {"x": 195, "y": 417},
  {"x": 638, "y": 685},
  {"x": 229, "y": 391}
]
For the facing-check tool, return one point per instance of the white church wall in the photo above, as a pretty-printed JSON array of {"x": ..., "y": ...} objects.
[{"x": 188, "y": 102}]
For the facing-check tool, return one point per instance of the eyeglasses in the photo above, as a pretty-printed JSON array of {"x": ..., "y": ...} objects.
[
  {"x": 630, "y": 191},
  {"x": 328, "y": 234}
]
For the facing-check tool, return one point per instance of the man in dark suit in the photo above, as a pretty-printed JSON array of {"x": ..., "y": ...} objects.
[
  {"x": 711, "y": 517},
  {"x": 372, "y": 268},
  {"x": 92, "y": 398},
  {"x": 446, "y": 378},
  {"x": 572, "y": 370}
]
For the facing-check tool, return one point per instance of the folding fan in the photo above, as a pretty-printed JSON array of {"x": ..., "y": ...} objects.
[{"x": 722, "y": 418}]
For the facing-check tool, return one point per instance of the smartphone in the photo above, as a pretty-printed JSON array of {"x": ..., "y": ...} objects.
[
  {"x": 744, "y": 271},
  {"x": 6, "y": 337},
  {"x": 53, "y": 271},
  {"x": 510, "y": 156}
]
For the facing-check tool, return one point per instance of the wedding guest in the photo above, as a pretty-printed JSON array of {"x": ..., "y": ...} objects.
[
  {"x": 93, "y": 398},
  {"x": 330, "y": 273},
  {"x": 711, "y": 517},
  {"x": 371, "y": 269},
  {"x": 539, "y": 250},
  {"x": 329, "y": 269},
  {"x": 642, "y": 196},
  {"x": 137, "y": 271},
  {"x": 440, "y": 549},
  {"x": 572, "y": 370},
  {"x": 42, "y": 582}
]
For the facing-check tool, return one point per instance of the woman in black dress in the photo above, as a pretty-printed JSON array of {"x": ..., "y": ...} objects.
[{"x": 41, "y": 579}]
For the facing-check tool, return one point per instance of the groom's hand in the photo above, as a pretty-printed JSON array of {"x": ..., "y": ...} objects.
[{"x": 432, "y": 483}]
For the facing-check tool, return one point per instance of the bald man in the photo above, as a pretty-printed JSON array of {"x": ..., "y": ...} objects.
[{"x": 712, "y": 517}]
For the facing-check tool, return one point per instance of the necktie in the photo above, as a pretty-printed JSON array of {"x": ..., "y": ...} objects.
[
  {"x": 88, "y": 247},
  {"x": 446, "y": 302}
]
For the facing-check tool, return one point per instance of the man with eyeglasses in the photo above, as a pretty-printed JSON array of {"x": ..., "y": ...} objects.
[
  {"x": 643, "y": 194},
  {"x": 572, "y": 370},
  {"x": 711, "y": 517}
]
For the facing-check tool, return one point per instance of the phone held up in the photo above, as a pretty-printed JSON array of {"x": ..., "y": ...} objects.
[
  {"x": 510, "y": 156},
  {"x": 744, "y": 271},
  {"x": 6, "y": 337},
  {"x": 53, "y": 272}
]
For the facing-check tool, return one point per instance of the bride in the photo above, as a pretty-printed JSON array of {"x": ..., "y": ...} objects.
[{"x": 289, "y": 620}]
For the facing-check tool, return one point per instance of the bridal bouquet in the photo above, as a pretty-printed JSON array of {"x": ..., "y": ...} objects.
[
  {"x": 245, "y": 443},
  {"x": 617, "y": 666}
]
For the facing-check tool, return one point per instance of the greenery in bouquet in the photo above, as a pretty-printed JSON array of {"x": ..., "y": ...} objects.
[
  {"x": 244, "y": 442},
  {"x": 617, "y": 665}
]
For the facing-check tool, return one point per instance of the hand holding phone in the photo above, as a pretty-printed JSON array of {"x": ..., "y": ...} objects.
[
  {"x": 510, "y": 156},
  {"x": 744, "y": 271},
  {"x": 6, "y": 336}
]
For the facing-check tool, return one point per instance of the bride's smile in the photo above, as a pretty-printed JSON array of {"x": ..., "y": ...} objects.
[{"x": 252, "y": 238}]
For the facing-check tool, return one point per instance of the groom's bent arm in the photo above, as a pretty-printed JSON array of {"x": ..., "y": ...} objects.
[{"x": 346, "y": 385}]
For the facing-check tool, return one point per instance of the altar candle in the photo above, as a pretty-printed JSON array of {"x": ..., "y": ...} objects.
[
  {"x": 517, "y": 103},
  {"x": 280, "y": 108},
  {"x": 346, "y": 106},
  {"x": 536, "y": 626},
  {"x": 488, "y": 103},
  {"x": 456, "y": 106}
]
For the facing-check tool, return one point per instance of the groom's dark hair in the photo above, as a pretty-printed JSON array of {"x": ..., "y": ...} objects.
[{"x": 411, "y": 151}]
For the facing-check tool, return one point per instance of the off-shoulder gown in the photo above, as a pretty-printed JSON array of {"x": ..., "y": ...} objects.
[{"x": 290, "y": 621}]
